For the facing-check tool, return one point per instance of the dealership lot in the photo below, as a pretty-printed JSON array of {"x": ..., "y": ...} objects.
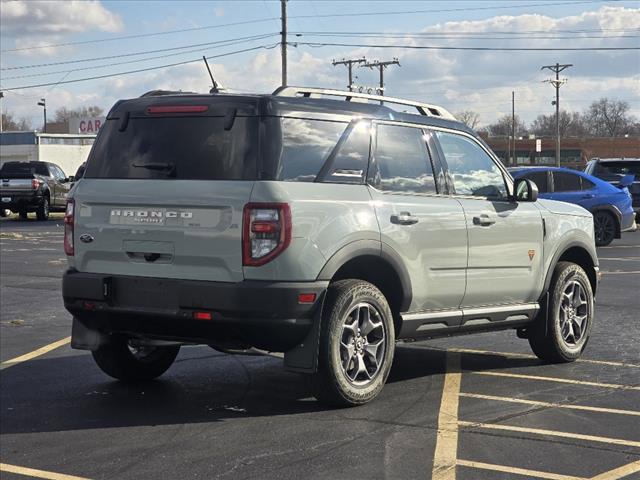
[{"x": 466, "y": 407}]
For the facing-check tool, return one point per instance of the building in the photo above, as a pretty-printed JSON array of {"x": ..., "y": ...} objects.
[
  {"x": 574, "y": 152},
  {"x": 67, "y": 151}
]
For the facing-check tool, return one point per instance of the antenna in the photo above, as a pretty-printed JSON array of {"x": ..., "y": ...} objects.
[{"x": 215, "y": 88}]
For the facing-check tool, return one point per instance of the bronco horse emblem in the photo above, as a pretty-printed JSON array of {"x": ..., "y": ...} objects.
[{"x": 532, "y": 253}]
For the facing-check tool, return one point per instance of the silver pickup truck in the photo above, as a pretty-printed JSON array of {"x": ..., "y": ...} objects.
[
  {"x": 317, "y": 223},
  {"x": 38, "y": 187}
]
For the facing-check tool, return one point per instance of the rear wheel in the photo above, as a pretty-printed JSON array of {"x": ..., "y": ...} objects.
[
  {"x": 605, "y": 226},
  {"x": 357, "y": 343},
  {"x": 23, "y": 215},
  {"x": 3, "y": 212},
  {"x": 43, "y": 210},
  {"x": 124, "y": 359},
  {"x": 570, "y": 316}
]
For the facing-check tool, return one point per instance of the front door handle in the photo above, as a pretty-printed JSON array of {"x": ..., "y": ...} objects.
[
  {"x": 588, "y": 195},
  {"x": 484, "y": 219},
  {"x": 404, "y": 218}
]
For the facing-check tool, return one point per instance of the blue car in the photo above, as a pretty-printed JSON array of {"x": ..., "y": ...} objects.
[{"x": 610, "y": 205}]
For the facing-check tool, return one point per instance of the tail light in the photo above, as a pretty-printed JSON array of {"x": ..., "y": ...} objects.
[
  {"x": 266, "y": 232},
  {"x": 68, "y": 227},
  {"x": 35, "y": 184}
]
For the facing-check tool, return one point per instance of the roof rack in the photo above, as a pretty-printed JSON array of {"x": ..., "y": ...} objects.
[{"x": 310, "y": 92}]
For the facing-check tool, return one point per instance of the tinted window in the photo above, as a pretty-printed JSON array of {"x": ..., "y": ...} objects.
[
  {"x": 402, "y": 160},
  {"x": 348, "y": 163},
  {"x": 587, "y": 184},
  {"x": 305, "y": 146},
  {"x": 27, "y": 168},
  {"x": 541, "y": 180},
  {"x": 471, "y": 168},
  {"x": 615, "y": 170},
  {"x": 565, "y": 182},
  {"x": 197, "y": 148}
]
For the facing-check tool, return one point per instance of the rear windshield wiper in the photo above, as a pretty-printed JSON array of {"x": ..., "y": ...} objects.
[{"x": 170, "y": 167}]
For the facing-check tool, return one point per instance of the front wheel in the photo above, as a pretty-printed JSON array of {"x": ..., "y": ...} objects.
[
  {"x": 124, "y": 359},
  {"x": 605, "y": 228},
  {"x": 570, "y": 316},
  {"x": 357, "y": 343}
]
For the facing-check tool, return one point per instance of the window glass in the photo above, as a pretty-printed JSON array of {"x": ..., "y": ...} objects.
[
  {"x": 306, "y": 145},
  {"x": 186, "y": 148},
  {"x": 587, "y": 184},
  {"x": 471, "y": 168},
  {"x": 403, "y": 160},
  {"x": 349, "y": 162},
  {"x": 541, "y": 180},
  {"x": 28, "y": 168},
  {"x": 565, "y": 182}
]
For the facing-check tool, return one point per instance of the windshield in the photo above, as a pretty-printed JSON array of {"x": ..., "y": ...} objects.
[{"x": 191, "y": 148}]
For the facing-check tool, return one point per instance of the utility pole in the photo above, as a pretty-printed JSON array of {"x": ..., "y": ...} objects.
[
  {"x": 43, "y": 103},
  {"x": 283, "y": 41},
  {"x": 1, "y": 97},
  {"x": 557, "y": 83},
  {"x": 349, "y": 63},
  {"x": 513, "y": 126},
  {"x": 381, "y": 66}
]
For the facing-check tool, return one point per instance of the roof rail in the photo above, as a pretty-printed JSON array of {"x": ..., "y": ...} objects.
[{"x": 310, "y": 92}]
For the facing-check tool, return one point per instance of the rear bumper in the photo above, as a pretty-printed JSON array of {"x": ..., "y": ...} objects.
[
  {"x": 21, "y": 201},
  {"x": 628, "y": 222},
  {"x": 264, "y": 315}
]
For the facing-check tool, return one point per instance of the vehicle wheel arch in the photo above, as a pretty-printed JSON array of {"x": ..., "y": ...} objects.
[
  {"x": 377, "y": 264},
  {"x": 578, "y": 254}
]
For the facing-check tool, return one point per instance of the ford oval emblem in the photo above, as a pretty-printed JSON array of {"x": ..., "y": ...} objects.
[{"x": 86, "y": 238}]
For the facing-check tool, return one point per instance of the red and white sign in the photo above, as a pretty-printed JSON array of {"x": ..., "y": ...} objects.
[{"x": 86, "y": 125}]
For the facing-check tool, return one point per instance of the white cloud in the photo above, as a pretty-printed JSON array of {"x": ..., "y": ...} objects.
[{"x": 22, "y": 17}]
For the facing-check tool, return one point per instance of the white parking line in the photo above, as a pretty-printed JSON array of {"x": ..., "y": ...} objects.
[
  {"x": 560, "y": 380},
  {"x": 551, "y": 405}
]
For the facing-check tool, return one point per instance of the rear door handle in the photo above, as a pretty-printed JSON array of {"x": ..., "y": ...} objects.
[
  {"x": 404, "y": 218},
  {"x": 588, "y": 195},
  {"x": 484, "y": 219}
]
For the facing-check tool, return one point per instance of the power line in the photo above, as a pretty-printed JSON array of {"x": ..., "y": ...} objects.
[
  {"x": 443, "y": 10},
  {"x": 490, "y": 32},
  {"x": 24, "y": 87},
  {"x": 454, "y": 36},
  {"x": 92, "y": 67},
  {"x": 133, "y": 54},
  {"x": 140, "y": 35},
  {"x": 444, "y": 47}
]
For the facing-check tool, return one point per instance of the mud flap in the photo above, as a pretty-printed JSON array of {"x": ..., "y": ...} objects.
[
  {"x": 303, "y": 358},
  {"x": 83, "y": 338}
]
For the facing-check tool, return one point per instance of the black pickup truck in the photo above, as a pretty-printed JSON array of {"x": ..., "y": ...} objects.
[{"x": 36, "y": 186}]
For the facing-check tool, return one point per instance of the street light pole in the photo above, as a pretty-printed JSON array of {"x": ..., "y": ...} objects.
[{"x": 43, "y": 103}]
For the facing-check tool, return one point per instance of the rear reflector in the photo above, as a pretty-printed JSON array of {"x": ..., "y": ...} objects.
[
  {"x": 177, "y": 109},
  {"x": 202, "y": 315},
  {"x": 69, "y": 220},
  {"x": 306, "y": 298}
]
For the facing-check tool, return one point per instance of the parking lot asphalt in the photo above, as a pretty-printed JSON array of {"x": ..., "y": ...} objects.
[{"x": 473, "y": 407}]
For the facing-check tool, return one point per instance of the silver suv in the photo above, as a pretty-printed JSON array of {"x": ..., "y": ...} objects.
[{"x": 315, "y": 223}]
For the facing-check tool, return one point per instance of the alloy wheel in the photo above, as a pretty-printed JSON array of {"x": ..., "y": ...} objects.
[
  {"x": 574, "y": 314},
  {"x": 604, "y": 227},
  {"x": 362, "y": 346}
]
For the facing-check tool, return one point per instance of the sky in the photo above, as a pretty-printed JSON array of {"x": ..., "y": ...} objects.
[{"x": 62, "y": 41}]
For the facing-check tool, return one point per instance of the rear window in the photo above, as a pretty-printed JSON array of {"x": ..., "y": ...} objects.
[
  {"x": 187, "y": 148},
  {"x": 618, "y": 169},
  {"x": 12, "y": 168}
]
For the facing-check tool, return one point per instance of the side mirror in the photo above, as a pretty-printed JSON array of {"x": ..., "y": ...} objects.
[
  {"x": 526, "y": 190},
  {"x": 626, "y": 181},
  {"x": 71, "y": 178}
]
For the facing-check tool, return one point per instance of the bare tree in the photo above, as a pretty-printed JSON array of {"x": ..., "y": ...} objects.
[
  {"x": 64, "y": 114},
  {"x": 502, "y": 128},
  {"x": 469, "y": 118},
  {"x": 572, "y": 124},
  {"x": 609, "y": 118},
  {"x": 9, "y": 123}
]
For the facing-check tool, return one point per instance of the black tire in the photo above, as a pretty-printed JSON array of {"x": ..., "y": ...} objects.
[
  {"x": 119, "y": 360},
  {"x": 23, "y": 215},
  {"x": 42, "y": 213},
  {"x": 3, "y": 212},
  {"x": 346, "y": 304},
  {"x": 605, "y": 225},
  {"x": 554, "y": 344}
]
